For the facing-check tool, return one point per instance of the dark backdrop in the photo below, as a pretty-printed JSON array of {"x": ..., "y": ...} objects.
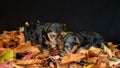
[{"x": 101, "y": 16}]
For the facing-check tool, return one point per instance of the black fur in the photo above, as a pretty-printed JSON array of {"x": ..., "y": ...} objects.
[
  {"x": 91, "y": 38},
  {"x": 33, "y": 32},
  {"x": 53, "y": 27},
  {"x": 37, "y": 33},
  {"x": 72, "y": 39},
  {"x": 86, "y": 39}
]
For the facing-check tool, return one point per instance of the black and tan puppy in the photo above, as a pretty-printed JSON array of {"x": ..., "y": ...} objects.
[
  {"x": 84, "y": 39},
  {"x": 53, "y": 33},
  {"x": 72, "y": 41},
  {"x": 45, "y": 35},
  {"x": 33, "y": 31}
]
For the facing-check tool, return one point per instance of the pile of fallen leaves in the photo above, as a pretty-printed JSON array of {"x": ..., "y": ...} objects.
[{"x": 15, "y": 52}]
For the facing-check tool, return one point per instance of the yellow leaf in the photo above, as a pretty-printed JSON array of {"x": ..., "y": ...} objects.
[{"x": 8, "y": 56}]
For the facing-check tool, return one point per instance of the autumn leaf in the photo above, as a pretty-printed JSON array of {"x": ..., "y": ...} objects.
[{"x": 8, "y": 56}]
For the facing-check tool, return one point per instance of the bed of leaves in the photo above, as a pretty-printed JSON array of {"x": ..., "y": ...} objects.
[{"x": 15, "y": 52}]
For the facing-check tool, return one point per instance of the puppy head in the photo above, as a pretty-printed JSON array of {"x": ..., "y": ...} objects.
[
  {"x": 54, "y": 31},
  {"x": 72, "y": 39},
  {"x": 32, "y": 24}
]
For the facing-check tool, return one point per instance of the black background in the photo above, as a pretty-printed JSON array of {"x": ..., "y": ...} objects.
[{"x": 102, "y": 16}]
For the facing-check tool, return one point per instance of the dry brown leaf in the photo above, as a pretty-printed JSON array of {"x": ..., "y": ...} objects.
[
  {"x": 72, "y": 58},
  {"x": 103, "y": 62},
  {"x": 117, "y": 53},
  {"x": 71, "y": 65},
  {"x": 92, "y": 60},
  {"x": 88, "y": 66},
  {"x": 27, "y": 47},
  {"x": 114, "y": 61},
  {"x": 95, "y": 50},
  {"x": 116, "y": 66},
  {"x": 27, "y": 62},
  {"x": 11, "y": 39},
  {"x": 106, "y": 49},
  {"x": 111, "y": 46},
  {"x": 92, "y": 54}
]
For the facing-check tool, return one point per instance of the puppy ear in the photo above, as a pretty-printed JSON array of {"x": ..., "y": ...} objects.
[
  {"x": 78, "y": 40},
  {"x": 26, "y": 23},
  {"x": 38, "y": 21},
  {"x": 47, "y": 25}
]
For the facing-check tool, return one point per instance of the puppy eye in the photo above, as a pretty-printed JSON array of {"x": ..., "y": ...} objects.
[
  {"x": 53, "y": 36},
  {"x": 68, "y": 46}
]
